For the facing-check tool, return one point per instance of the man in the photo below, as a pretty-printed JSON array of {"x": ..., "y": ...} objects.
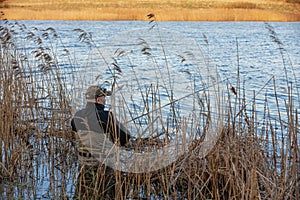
[
  {"x": 95, "y": 179},
  {"x": 93, "y": 117}
]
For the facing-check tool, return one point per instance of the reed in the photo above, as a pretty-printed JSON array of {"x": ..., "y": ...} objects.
[
  {"x": 34, "y": 114},
  {"x": 251, "y": 159},
  {"x": 246, "y": 5},
  {"x": 190, "y": 10}
]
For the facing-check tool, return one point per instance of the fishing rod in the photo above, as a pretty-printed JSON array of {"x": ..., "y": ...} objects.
[{"x": 174, "y": 101}]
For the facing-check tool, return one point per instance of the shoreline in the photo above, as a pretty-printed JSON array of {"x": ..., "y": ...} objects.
[{"x": 140, "y": 14}]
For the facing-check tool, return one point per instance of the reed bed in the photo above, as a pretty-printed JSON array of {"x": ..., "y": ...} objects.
[
  {"x": 207, "y": 14},
  {"x": 190, "y": 10},
  {"x": 38, "y": 159},
  {"x": 34, "y": 116}
]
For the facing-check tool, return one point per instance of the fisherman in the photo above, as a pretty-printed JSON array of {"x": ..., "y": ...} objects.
[{"x": 95, "y": 179}]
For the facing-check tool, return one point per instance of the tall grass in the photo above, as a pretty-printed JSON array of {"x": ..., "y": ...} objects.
[
  {"x": 251, "y": 159},
  {"x": 34, "y": 115},
  {"x": 190, "y": 10},
  {"x": 186, "y": 14}
]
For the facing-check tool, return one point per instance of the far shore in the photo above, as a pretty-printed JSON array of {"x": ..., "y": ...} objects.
[
  {"x": 167, "y": 14},
  {"x": 164, "y": 10}
]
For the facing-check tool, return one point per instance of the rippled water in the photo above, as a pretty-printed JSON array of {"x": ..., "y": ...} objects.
[
  {"x": 229, "y": 46},
  {"x": 244, "y": 48}
]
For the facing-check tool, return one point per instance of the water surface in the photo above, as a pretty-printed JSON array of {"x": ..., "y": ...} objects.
[{"x": 247, "y": 49}]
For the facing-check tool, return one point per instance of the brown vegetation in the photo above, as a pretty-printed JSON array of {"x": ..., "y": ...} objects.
[
  {"x": 37, "y": 145},
  {"x": 191, "y": 10}
]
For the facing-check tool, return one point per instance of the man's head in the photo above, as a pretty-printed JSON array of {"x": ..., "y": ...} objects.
[{"x": 96, "y": 93}]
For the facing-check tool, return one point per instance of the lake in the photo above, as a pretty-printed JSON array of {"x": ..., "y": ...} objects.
[
  {"x": 257, "y": 53},
  {"x": 228, "y": 46}
]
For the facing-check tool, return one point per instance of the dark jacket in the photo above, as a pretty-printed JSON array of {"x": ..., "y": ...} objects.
[{"x": 94, "y": 118}]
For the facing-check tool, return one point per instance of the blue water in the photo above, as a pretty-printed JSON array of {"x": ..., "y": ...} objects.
[
  {"x": 231, "y": 47},
  {"x": 228, "y": 46}
]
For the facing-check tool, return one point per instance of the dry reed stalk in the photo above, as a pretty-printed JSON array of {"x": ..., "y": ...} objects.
[
  {"x": 246, "y": 163},
  {"x": 33, "y": 102}
]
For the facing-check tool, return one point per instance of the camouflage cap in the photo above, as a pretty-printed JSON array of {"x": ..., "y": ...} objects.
[{"x": 95, "y": 91}]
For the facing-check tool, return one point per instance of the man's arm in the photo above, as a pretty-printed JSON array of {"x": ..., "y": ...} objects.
[
  {"x": 124, "y": 134},
  {"x": 73, "y": 125},
  {"x": 118, "y": 130}
]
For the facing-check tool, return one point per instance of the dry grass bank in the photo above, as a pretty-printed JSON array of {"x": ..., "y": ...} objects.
[{"x": 191, "y": 10}]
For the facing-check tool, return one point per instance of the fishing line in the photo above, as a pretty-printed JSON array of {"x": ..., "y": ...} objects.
[
  {"x": 174, "y": 101},
  {"x": 244, "y": 106}
]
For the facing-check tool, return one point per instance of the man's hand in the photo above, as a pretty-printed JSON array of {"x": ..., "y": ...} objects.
[{"x": 145, "y": 143}]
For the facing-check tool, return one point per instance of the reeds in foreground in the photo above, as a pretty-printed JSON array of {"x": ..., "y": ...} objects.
[{"x": 38, "y": 152}]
